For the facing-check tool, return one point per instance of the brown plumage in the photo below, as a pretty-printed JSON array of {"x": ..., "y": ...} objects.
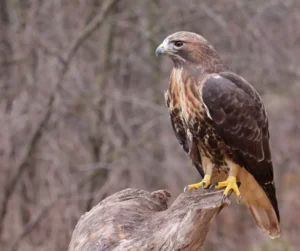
[{"x": 220, "y": 120}]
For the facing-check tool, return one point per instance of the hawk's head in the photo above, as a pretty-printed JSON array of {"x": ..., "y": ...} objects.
[{"x": 188, "y": 48}]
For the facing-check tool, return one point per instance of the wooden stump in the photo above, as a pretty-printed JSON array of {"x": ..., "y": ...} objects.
[{"x": 137, "y": 220}]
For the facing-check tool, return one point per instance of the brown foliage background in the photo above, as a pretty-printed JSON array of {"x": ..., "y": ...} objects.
[{"x": 82, "y": 110}]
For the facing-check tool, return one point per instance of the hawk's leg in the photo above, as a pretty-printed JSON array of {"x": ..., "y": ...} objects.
[
  {"x": 230, "y": 183},
  {"x": 205, "y": 183}
]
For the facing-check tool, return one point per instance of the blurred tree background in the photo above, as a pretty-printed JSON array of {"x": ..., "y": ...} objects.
[{"x": 82, "y": 109}]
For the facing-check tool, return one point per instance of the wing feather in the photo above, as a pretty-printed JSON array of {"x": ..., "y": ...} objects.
[{"x": 240, "y": 120}]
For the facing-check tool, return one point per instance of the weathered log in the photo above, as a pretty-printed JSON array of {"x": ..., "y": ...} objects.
[{"x": 137, "y": 220}]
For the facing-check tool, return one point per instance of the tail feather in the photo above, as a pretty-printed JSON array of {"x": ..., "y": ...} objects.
[
  {"x": 266, "y": 220},
  {"x": 263, "y": 208}
]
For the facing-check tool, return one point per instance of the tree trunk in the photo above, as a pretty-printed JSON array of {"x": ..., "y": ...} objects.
[{"x": 134, "y": 219}]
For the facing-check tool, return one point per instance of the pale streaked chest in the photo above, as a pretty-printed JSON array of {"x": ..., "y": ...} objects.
[{"x": 184, "y": 95}]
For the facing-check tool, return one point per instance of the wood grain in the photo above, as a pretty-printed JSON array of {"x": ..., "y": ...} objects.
[{"x": 134, "y": 219}]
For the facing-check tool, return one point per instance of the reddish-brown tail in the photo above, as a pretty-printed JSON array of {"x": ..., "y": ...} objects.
[
  {"x": 259, "y": 204},
  {"x": 266, "y": 219}
]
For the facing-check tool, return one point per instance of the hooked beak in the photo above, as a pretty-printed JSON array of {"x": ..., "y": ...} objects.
[{"x": 160, "y": 50}]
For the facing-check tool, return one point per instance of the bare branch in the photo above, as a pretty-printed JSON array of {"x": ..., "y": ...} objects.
[
  {"x": 37, "y": 132},
  {"x": 90, "y": 28}
]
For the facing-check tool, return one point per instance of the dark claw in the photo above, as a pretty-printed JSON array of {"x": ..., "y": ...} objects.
[
  {"x": 203, "y": 185},
  {"x": 185, "y": 189},
  {"x": 223, "y": 198},
  {"x": 212, "y": 186},
  {"x": 239, "y": 199},
  {"x": 238, "y": 184}
]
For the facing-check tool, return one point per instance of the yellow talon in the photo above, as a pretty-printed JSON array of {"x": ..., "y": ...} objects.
[
  {"x": 204, "y": 183},
  {"x": 230, "y": 184}
]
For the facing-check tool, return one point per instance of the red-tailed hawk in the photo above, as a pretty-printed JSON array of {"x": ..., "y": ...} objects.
[{"x": 220, "y": 120}]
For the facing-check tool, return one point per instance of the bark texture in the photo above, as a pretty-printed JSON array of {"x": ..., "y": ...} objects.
[{"x": 134, "y": 219}]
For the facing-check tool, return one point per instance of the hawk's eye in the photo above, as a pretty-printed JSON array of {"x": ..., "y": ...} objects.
[{"x": 178, "y": 43}]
